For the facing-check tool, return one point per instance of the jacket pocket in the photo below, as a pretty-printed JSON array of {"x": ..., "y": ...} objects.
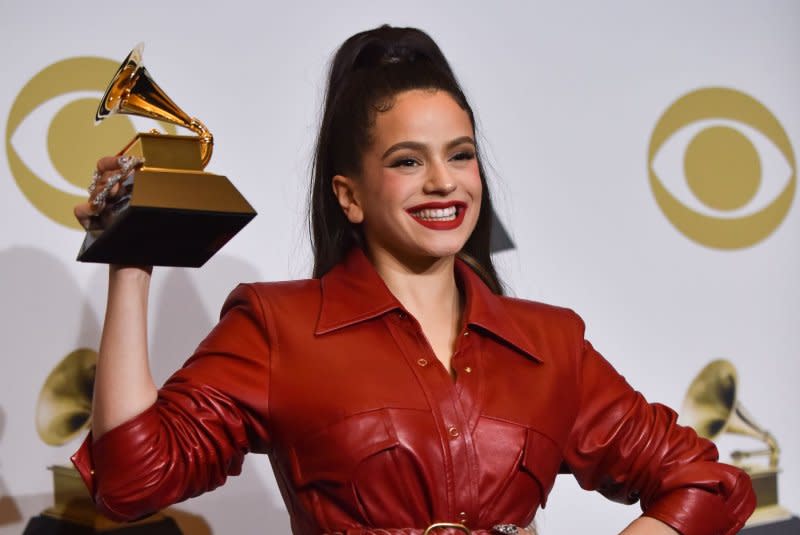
[
  {"x": 334, "y": 453},
  {"x": 339, "y": 470},
  {"x": 542, "y": 460}
]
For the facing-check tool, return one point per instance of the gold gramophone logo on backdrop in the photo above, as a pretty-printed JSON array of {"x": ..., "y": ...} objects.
[
  {"x": 52, "y": 140},
  {"x": 722, "y": 168},
  {"x": 64, "y": 407},
  {"x": 713, "y": 408}
]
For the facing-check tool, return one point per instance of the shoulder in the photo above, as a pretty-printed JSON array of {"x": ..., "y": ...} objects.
[
  {"x": 284, "y": 289},
  {"x": 550, "y": 333},
  {"x": 281, "y": 294},
  {"x": 528, "y": 312}
]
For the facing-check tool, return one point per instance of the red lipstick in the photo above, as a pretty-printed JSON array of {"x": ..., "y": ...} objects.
[{"x": 439, "y": 215}]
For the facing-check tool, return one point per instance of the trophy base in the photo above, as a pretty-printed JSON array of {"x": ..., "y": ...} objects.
[
  {"x": 769, "y": 518},
  {"x": 148, "y": 236},
  {"x": 765, "y": 485},
  {"x": 768, "y": 514},
  {"x": 48, "y": 525}
]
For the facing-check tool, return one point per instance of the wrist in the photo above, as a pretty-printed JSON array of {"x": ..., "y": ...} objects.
[
  {"x": 120, "y": 271},
  {"x": 129, "y": 280}
]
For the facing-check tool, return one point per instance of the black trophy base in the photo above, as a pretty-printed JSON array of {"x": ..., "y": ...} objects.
[
  {"x": 782, "y": 527},
  {"x": 47, "y": 525},
  {"x": 149, "y": 236}
]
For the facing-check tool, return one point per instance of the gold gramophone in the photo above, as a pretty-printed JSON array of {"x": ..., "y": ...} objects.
[
  {"x": 65, "y": 402},
  {"x": 712, "y": 408},
  {"x": 171, "y": 212}
]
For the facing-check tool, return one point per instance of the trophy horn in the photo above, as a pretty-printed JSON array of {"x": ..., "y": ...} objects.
[
  {"x": 132, "y": 91},
  {"x": 711, "y": 407},
  {"x": 65, "y": 402}
]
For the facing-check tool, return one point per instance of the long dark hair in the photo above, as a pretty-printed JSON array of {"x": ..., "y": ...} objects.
[{"x": 368, "y": 70}]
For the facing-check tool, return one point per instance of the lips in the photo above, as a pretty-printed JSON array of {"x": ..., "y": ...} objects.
[{"x": 439, "y": 215}]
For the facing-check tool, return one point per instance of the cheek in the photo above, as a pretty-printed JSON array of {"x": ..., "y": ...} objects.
[
  {"x": 473, "y": 183},
  {"x": 390, "y": 189},
  {"x": 383, "y": 195}
]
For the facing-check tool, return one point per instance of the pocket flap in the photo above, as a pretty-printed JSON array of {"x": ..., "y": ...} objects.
[
  {"x": 542, "y": 459},
  {"x": 334, "y": 452}
]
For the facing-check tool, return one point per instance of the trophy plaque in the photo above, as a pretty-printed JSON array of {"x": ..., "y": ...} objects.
[{"x": 170, "y": 211}]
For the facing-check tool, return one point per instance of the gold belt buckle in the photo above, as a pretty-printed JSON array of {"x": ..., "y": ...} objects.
[{"x": 446, "y": 525}]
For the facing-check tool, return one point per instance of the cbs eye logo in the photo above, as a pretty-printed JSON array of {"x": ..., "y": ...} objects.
[
  {"x": 722, "y": 168},
  {"x": 52, "y": 141}
]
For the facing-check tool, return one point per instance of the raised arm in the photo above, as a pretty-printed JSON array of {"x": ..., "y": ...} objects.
[{"x": 123, "y": 386}]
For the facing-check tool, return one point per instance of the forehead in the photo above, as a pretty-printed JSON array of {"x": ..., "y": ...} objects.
[{"x": 424, "y": 115}]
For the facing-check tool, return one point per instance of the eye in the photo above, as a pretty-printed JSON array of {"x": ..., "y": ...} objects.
[
  {"x": 464, "y": 156},
  {"x": 405, "y": 162},
  {"x": 29, "y": 141},
  {"x": 721, "y": 168}
]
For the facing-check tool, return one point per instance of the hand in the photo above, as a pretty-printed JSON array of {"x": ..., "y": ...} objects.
[{"x": 106, "y": 186}]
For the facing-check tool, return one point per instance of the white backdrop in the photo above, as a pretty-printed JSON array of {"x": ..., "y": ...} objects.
[{"x": 567, "y": 97}]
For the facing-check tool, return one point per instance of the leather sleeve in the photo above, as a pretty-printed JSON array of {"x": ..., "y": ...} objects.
[
  {"x": 629, "y": 450},
  {"x": 207, "y": 416}
]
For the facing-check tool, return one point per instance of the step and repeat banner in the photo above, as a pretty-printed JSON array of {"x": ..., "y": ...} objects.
[{"x": 642, "y": 157}]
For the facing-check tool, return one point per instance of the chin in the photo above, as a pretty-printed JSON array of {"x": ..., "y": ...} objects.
[{"x": 443, "y": 250}]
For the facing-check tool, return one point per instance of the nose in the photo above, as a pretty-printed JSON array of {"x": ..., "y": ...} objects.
[{"x": 439, "y": 181}]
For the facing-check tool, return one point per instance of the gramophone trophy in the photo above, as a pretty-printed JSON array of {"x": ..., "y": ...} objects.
[
  {"x": 711, "y": 407},
  {"x": 171, "y": 212}
]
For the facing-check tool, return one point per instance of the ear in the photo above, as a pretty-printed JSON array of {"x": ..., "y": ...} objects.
[{"x": 344, "y": 188}]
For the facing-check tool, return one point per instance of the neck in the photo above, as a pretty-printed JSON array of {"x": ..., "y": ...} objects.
[{"x": 425, "y": 288}]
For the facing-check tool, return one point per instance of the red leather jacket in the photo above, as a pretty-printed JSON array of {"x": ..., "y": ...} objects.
[{"x": 366, "y": 429}]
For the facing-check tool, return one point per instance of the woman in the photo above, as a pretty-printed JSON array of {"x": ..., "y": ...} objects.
[{"x": 397, "y": 389}]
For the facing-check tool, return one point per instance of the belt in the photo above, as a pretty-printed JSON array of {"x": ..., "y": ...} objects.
[
  {"x": 440, "y": 528},
  {"x": 500, "y": 529}
]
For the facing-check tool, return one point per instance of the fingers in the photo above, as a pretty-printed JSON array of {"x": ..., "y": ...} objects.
[
  {"x": 83, "y": 213},
  {"x": 109, "y": 163},
  {"x": 106, "y": 185}
]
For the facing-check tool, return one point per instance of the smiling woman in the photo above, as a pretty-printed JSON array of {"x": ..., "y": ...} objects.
[{"x": 397, "y": 392}]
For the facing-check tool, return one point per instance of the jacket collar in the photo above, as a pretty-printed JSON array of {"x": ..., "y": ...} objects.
[{"x": 353, "y": 292}]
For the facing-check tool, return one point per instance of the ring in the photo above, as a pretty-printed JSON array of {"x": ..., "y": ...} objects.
[
  {"x": 96, "y": 176},
  {"x": 101, "y": 197},
  {"x": 128, "y": 162}
]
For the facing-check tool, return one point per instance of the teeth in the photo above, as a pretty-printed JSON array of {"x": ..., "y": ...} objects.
[{"x": 436, "y": 214}]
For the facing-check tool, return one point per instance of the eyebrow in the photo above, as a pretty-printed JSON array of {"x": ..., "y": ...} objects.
[{"x": 416, "y": 145}]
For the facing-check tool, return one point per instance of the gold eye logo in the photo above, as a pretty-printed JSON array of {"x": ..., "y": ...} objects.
[
  {"x": 734, "y": 154},
  {"x": 70, "y": 90}
]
